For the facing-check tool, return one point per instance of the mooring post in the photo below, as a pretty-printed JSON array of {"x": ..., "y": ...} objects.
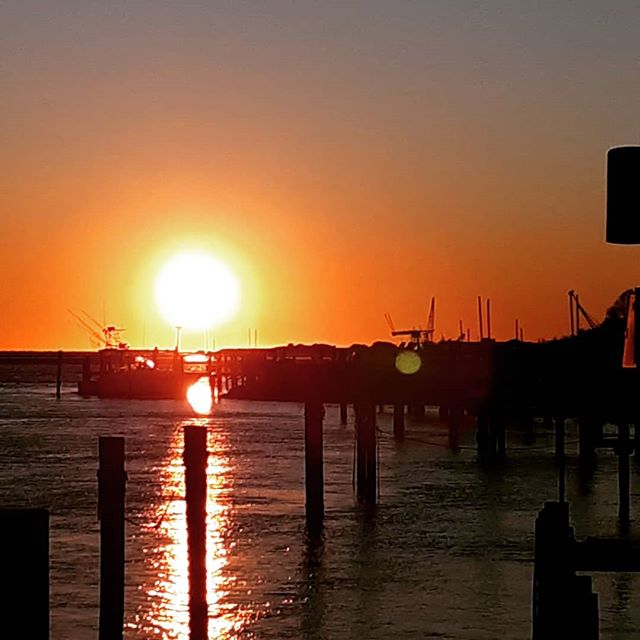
[
  {"x": 500, "y": 435},
  {"x": 587, "y": 435},
  {"x": 24, "y": 537},
  {"x": 418, "y": 412},
  {"x": 560, "y": 459},
  {"x": 59, "y": 376},
  {"x": 112, "y": 480},
  {"x": 313, "y": 465},
  {"x": 343, "y": 413},
  {"x": 622, "y": 450},
  {"x": 398, "y": 421},
  {"x": 482, "y": 434},
  {"x": 195, "y": 476},
  {"x": 366, "y": 452},
  {"x": 456, "y": 417}
]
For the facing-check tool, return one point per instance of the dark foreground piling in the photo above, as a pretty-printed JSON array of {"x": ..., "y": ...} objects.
[
  {"x": 59, "y": 376},
  {"x": 564, "y": 605},
  {"x": 24, "y": 538},
  {"x": 343, "y": 413},
  {"x": 623, "y": 450},
  {"x": 398, "y": 421},
  {"x": 195, "y": 473},
  {"x": 456, "y": 419},
  {"x": 313, "y": 465},
  {"x": 111, "y": 492},
  {"x": 366, "y": 452}
]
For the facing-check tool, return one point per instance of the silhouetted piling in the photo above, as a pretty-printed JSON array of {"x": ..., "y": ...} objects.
[
  {"x": 195, "y": 463},
  {"x": 24, "y": 538},
  {"x": 588, "y": 434},
  {"x": 343, "y": 413},
  {"x": 418, "y": 411},
  {"x": 313, "y": 465},
  {"x": 112, "y": 480},
  {"x": 366, "y": 452},
  {"x": 398, "y": 421},
  {"x": 560, "y": 458},
  {"x": 456, "y": 418},
  {"x": 482, "y": 435},
  {"x": 623, "y": 450},
  {"x": 564, "y": 605},
  {"x": 59, "y": 376}
]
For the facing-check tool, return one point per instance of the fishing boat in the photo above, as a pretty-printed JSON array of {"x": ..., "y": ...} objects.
[{"x": 141, "y": 374}]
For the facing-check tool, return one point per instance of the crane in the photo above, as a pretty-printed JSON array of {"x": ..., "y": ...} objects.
[
  {"x": 417, "y": 336},
  {"x": 576, "y": 310}
]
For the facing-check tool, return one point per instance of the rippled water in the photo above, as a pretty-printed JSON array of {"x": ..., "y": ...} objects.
[{"x": 447, "y": 553}]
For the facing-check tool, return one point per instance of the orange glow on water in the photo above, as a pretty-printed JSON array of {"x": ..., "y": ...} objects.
[
  {"x": 200, "y": 397},
  {"x": 166, "y": 614}
]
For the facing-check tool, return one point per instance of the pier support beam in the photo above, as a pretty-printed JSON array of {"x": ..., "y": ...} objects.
[
  {"x": 456, "y": 419},
  {"x": 112, "y": 480},
  {"x": 195, "y": 476},
  {"x": 418, "y": 412},
  {"x": 482, "y": 435},
  {"x": 560, "y": 458},
  {"x": 589, "y": 432},
  {"x": 366, "y": 452},
  {"x": 24, "y": 540},
  {"x": 623, "y": 449},
  {"x": 313, "y": 465},
  {"x": 343, "y": 413},
  {"x": 398, "y": 421},
  {"x": 59, "y": 376}
]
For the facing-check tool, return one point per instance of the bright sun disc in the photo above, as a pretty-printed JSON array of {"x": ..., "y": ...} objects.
[{"x": 196, "y": 291}]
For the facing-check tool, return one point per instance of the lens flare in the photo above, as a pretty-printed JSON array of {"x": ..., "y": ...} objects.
[
  {"x": 200, "y": 397},
  {"x": 408, "y": 362}
]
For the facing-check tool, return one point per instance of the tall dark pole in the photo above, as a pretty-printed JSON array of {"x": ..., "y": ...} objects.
[
  {"x": 313, "y": 465},
  {"x": 480, "y": 317},
  {"x": 112, "y": 481},
  {"x": 488, "y": 318},
  {"x": 195, "y": 473},
  {"x": 59, "y": 376},
  {"x": 366, "y": 486},
  {"x": 24, "y": 539}
]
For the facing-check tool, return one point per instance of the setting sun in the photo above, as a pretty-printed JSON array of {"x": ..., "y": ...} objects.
[{"x": 197, "y": 291}]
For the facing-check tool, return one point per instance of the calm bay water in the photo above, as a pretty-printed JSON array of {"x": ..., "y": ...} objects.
[{"x": 447, "y": 553}]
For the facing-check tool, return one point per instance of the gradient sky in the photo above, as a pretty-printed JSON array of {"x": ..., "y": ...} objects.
[{"x": 344, "y": 158}]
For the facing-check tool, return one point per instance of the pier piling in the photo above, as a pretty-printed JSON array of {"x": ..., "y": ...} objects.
[
  {"x": 195, "y": 472},
  {"x": 623, "y": 450},
  {"x": 59, "y": 376},
  {"x": 343, "y": 413},
  {"x": 313, "y": 465},
  {"x": 456, "y": 418},
  {"x": 366, "y": 452},
  {"x": 112, "y": 480},
  {"x": 398, "y": 421},
  {"x": 24, "y": 538}
]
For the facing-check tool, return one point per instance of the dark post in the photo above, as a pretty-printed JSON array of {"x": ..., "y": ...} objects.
[
  {"x": 398, "y": 421},
  {"x": 313, "y": 471},
  {"x": 366, "y": 452},
  {"x": 59, "y": 376},
  {"x": 588, "y": 429},
  {"x": 112, "y": 481},
  {"x": 636, "y": 442},
  {"x": 343, "y": 413},
  {"x": 456, "y": 418},
  {"x": 500, "y": 435},
  {"x": 195, "y": 475},
  {"x": 418, "y": 412},
  {"x": 559, "y": 441},
  {"x": 623, "y": 473},
  {"x": 482, "y": 434},
  {"x": 24, "y": 538}
]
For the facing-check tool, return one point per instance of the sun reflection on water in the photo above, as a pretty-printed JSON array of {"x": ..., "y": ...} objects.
[{"x": 167, "y": 599}]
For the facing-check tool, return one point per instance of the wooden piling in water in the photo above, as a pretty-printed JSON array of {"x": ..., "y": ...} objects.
[
  {"x": 313, "y": 465},
  {"x": 623, "y": 450},
  {"x": 560, "y": 457},
  {"x": 195, "y": 474},
  {"x": 112, "y": 480},
  {"x": 482, "y": 435},
  {"x": 456, "y": 418},
  {"x": 398, "y": 421},
  {"x": 343, "y": 413},
  {"x": 366, "y": 452},
  {"x": 24, "y": 539},
  {"x": 59, "y": 376}
]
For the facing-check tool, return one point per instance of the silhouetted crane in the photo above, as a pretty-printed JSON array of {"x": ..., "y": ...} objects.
[{"x": 417, "y": 336}]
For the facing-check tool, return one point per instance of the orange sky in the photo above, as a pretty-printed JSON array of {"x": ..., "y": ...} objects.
[{"x": 345, "y": 159}]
